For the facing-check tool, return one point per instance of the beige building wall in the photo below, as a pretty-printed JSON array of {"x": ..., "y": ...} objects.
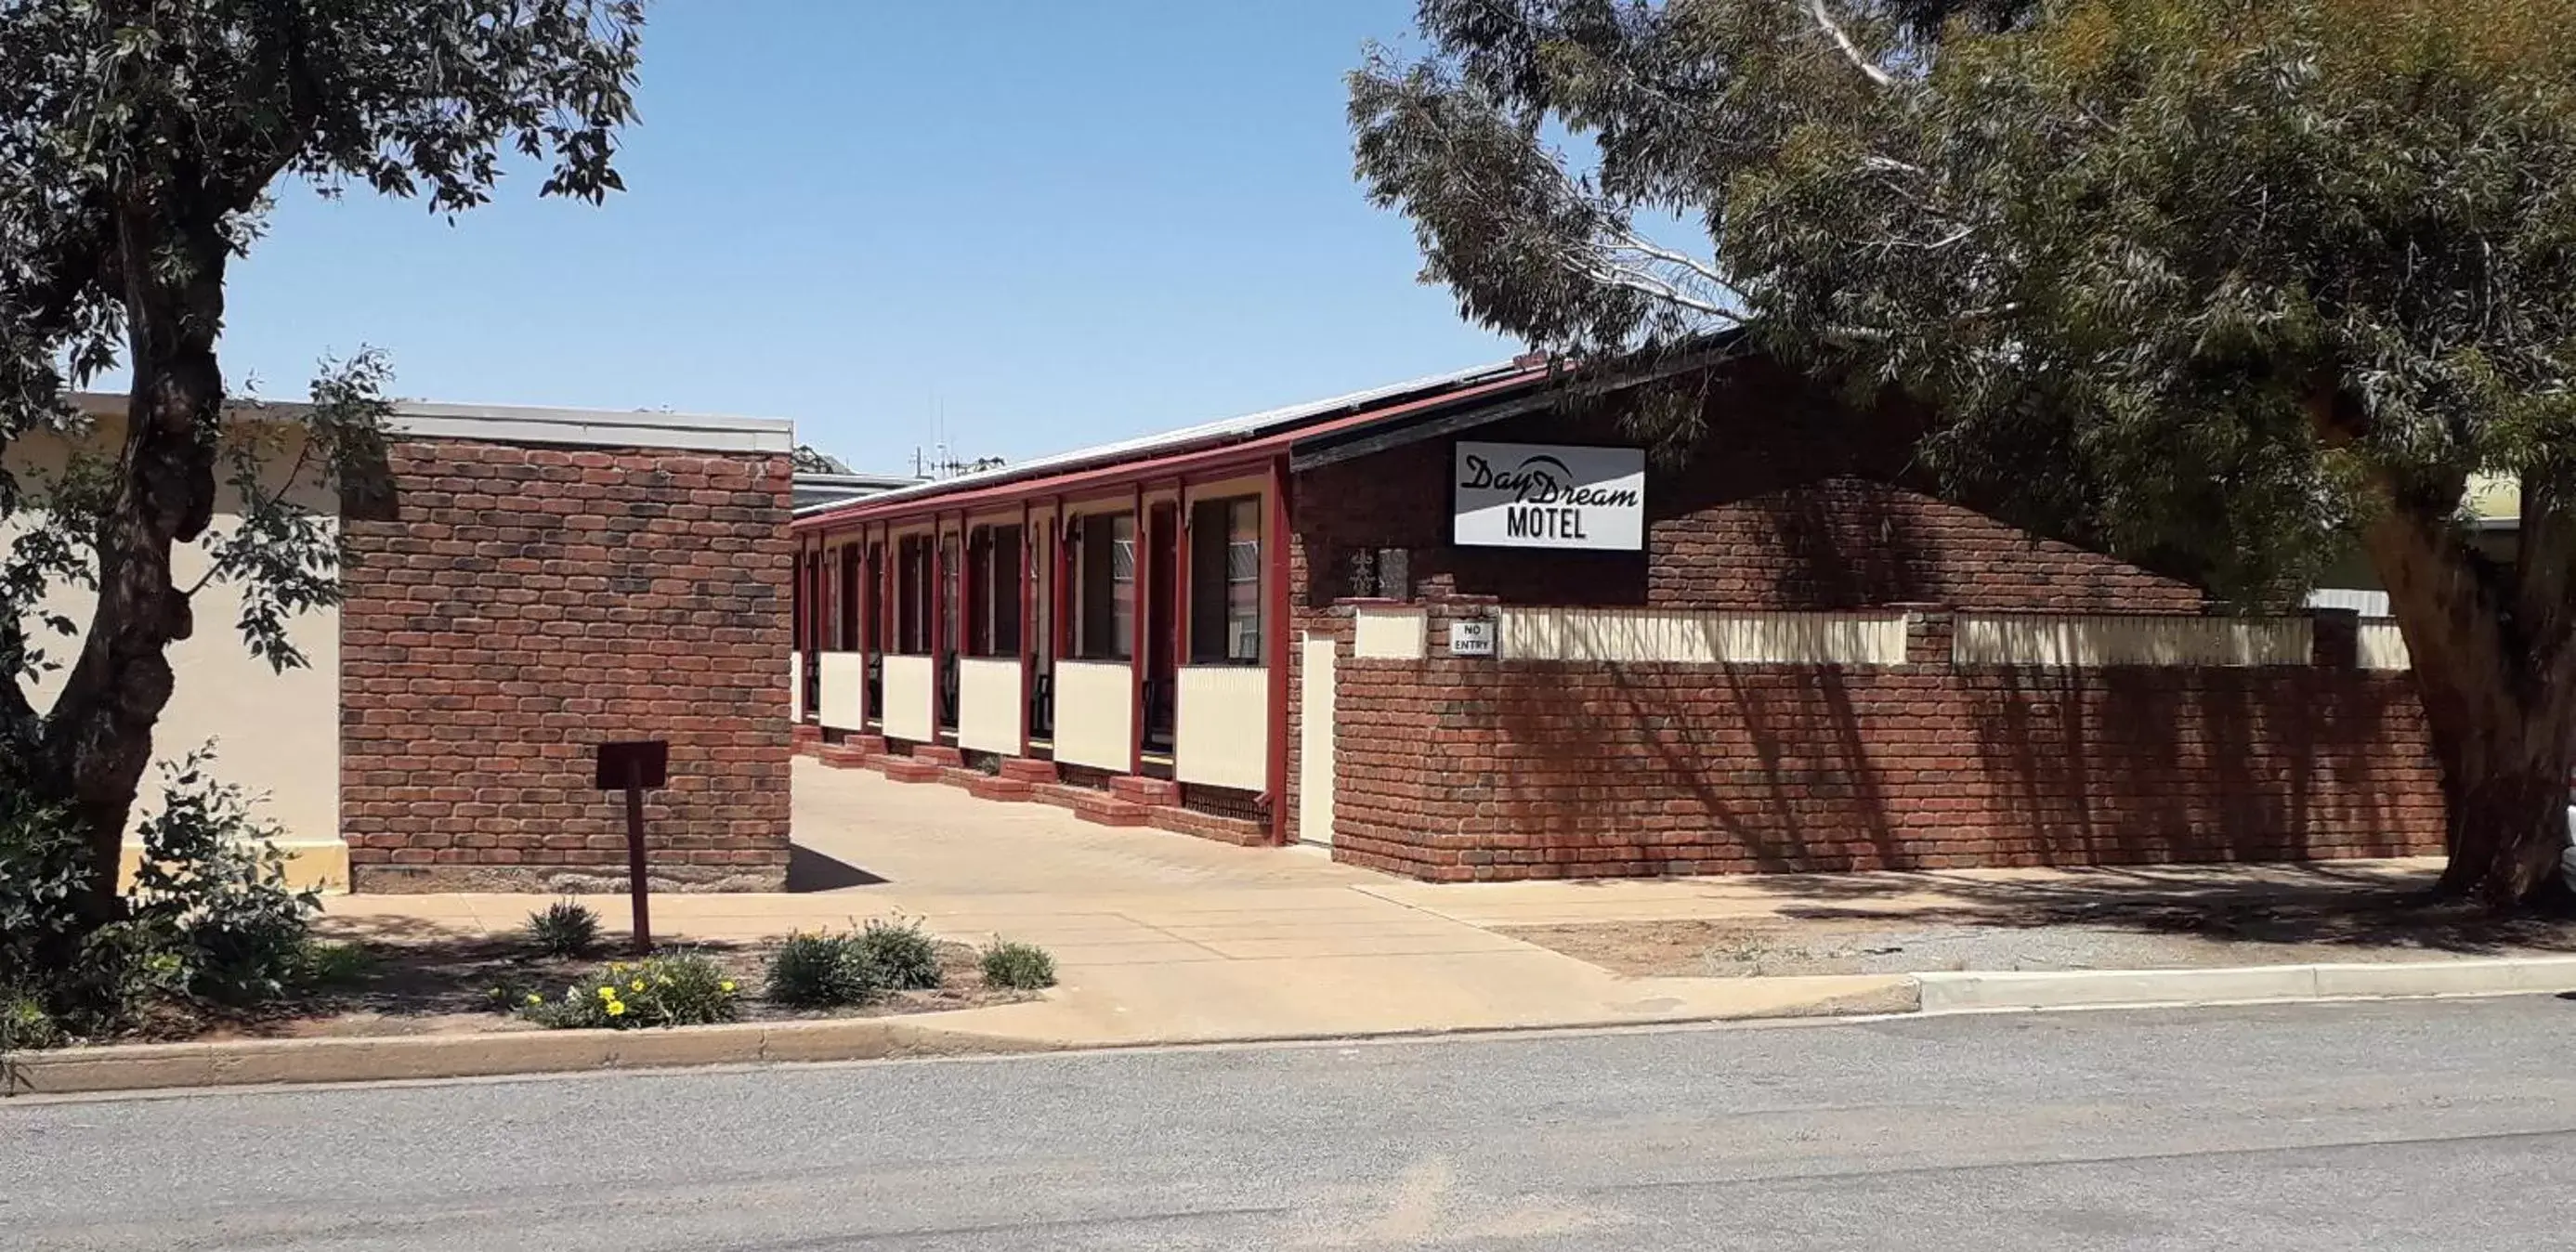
[
  {"x": 909, "y": 682},
  {"x": 1095, "y": 722},
  {"x": 989, "y": 704},
  {"x": 275, "y": 734},
  {"x": 1223, "y": 731},
  {"x": 1390, "y": 634},
  {"x": 844, "y": 702},
  {"x": 1702, "y": 638},
  {"x": 2085, "y": 641}
]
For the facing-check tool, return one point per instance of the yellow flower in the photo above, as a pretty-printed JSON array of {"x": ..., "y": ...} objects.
[
  {"x": 637, "y": 985},
  {"x": 617, "y": 967},
  {"x": 608, "y": 993},
  {"x": 617, "y": 1008},
  {"x": 534, "y": 998},
  {"x": 726, "y": 986}
]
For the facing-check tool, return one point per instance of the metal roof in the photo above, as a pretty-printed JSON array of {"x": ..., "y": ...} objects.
[
  {"x": 506, "y": 423},
  {"x": 1230, "y": 430}
]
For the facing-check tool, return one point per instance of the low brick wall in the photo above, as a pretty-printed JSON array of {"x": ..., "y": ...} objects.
[
  {"x": 511, "y": 608},
  {"x": 1456, "y": 769}
]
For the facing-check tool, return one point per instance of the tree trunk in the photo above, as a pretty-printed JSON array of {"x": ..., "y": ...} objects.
[
  {"x": 98, "y": 738},
  {"x": 2492, "y": 662}
]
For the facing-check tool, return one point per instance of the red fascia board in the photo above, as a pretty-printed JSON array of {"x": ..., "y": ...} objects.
[{"x": 1249, "y": 456}]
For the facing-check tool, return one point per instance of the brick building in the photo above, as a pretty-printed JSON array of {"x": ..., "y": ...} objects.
[
  {"x": 527, "y": 584},
  {"x": 1464, "y": 628}
]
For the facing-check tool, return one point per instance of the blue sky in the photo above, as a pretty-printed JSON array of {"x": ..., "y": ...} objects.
[{"x": 1056, "y": 222}]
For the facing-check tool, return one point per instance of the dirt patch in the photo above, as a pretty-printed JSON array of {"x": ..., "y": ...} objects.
[
  {"x": 463, "y": 986},
  {"x": 2159, "y": 936}
]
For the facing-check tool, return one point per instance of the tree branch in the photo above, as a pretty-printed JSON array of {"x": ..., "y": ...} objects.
[
  {"x": 1648, "y": 283},
  {"x": 1851, "y": 51}
]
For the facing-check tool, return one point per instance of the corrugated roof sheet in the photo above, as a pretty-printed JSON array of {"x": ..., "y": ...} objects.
[{"x": 1229, "y": 430}]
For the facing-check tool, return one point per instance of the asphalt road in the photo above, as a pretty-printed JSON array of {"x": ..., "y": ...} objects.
[{"x": 2444, "y": 1125}]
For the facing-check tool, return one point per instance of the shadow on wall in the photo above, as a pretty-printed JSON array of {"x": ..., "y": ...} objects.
[
  {"x": 1622, "y": 769},
  {"x": 2126, "y": 765}
]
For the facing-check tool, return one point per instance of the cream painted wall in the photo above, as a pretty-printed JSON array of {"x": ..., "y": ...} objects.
[
  {"x": 2381, "y": 645},
  {"x": 1222, "y": 731},
  {"x": 1701, "y": 638},
  {"x": 1095, "y": 714},
  {"x": 1390, "y": 634},
  {"x": 2087, "y": 641},
  {"x": 276, "y": 734},
  {"x": 989, "y": 704},
  {"x": 845, "y": 690},
  {"x": 1315, "y": 742},
  {"x": 907, "y": 711}
]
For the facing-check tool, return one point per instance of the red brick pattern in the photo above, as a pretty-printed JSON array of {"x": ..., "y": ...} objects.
[
  {"x": 512, "y": 607},
  {"x": 1548, "y": 770}
]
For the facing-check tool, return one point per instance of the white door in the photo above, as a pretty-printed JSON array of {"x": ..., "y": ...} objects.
[{"x": 1315, "y": 742}]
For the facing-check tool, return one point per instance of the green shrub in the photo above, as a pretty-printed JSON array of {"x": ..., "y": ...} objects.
[
  {"x": 25, "y": 1025},
  {"x": 681, "y": 988},
  {"x": 1018, "y": 966},
  {"x": 515, "y": 994},
  {"x": 822, "y": 971},
  {"x": 208, "y": 921},
  {"x": 899, "y": 950},
  {"x": 43, "y": 863},
  {"x": 212, "y": 892},
  {"x": 564, "y": 928},
  {"x": 322, "y": 963}
]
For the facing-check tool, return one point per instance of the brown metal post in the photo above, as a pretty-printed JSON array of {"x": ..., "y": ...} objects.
[{"x": 635, "y": 877}]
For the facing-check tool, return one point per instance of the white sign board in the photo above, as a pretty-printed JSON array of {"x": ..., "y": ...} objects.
[
  {"x": 1471, "y": 638},
  {"x": 1528, "y": 495}
]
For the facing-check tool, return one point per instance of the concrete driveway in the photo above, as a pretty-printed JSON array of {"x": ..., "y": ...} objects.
[
  {"x": 857, "y": 831},
  {"x": 1164, "y": 937}
]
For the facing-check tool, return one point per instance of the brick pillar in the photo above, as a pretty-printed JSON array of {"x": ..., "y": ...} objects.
[
  {"x": 2336, "y": 638},
  {"x": 1928, "y": 631}
]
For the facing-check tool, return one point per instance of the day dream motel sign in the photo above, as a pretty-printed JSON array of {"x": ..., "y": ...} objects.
[{"x": 1522, "y": 495}]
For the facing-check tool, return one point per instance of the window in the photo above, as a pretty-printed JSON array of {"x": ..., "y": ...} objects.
[
  {"x": 912, "y": 595},
  {"x": 1225, "y": 582},
  {"x": 993, "y": 560},
  {"x": 1105, "y": 575}
]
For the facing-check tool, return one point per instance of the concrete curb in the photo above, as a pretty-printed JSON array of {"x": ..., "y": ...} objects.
[
  {"x": 2060, "y": 989},
  {"x": 391, "y": 1058},
  {"x": 261, "y": 1062},
  {"x": 397, "y": 1058}
]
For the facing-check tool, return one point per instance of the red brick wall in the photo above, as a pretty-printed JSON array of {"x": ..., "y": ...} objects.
[
  {"x": 1790, "y": 502},
  {"x": 1477, "y": 769},
  {"x": 512, "y": 607}
]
